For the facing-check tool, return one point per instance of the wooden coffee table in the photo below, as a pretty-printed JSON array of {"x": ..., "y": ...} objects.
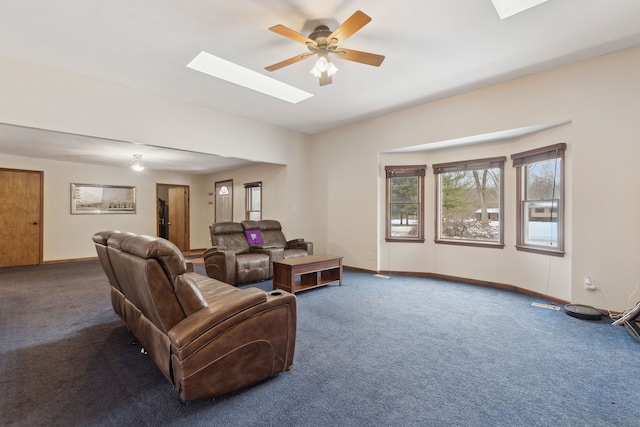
[{"x": 314, "y": 271}]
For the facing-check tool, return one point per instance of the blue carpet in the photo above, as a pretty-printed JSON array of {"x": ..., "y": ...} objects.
[{"x": 383, "y": 352}]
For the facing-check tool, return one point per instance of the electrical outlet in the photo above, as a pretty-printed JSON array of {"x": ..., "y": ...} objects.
[
  {"x": 370, "y": 255},
  {"x": 588, "y": 284}
]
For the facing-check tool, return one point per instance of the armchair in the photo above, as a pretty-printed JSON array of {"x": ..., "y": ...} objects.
[{"x": 230, "y": 259}]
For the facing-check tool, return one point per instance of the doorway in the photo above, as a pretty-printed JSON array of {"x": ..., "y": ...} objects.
[
  {"x": 173, "y": 214},
  {"x": 224, "y": 201},
  {"x": 20, "y": 217}
]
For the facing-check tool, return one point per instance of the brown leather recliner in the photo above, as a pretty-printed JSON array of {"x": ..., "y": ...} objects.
[
  {"x": 231, "y": 259},
  {"x": 274, "y": 243},
  {"x": 207, "y": 337}
]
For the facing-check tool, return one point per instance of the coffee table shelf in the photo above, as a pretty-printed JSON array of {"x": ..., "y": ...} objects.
[{"x": 313, "y": 270}]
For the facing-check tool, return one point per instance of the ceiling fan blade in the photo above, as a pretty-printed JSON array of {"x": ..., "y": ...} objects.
[
  {"x": 350, "y": 26},
  {"x": 289, "y": 61},
  {"x": 357, "y": 56},
  {"x": 293, "y": 35}
]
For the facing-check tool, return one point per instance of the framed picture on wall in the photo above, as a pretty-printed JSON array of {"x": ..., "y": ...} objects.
[{"x": 102, "y": 199}]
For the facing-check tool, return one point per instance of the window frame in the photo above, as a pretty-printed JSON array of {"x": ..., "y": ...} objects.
[
  {"x": 520, "y": 160},
  {"x": 405, "y": 171},
  {"x": 248, "y": 198},
  {"x": 463, "y": 166}
]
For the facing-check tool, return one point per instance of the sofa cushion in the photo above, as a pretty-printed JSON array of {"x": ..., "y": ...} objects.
[
  {"x": 166, "y": 253},
  {"x": 145, "y": 283},
  {"x": 196, "y": 292},
  {"x": 189, "y": 295},
  {"x": 272, "y": 233},
  {"x": 252, "y": 267},
  {"x": 101, "y": 240},
  {"x": 229, "y": 236}
]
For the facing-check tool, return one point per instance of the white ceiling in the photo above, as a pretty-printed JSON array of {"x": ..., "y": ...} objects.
[
  {"x": 66, "y": 147},
  {"x": 433, "y": 49}
]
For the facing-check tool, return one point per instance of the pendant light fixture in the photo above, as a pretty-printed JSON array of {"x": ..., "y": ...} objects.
[{"x": 136, "y": 163}]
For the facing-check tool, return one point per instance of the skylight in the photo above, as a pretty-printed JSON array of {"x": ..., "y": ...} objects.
[
  {"x": 507, "y": 8},
  {"x": 233, "y": 73}
]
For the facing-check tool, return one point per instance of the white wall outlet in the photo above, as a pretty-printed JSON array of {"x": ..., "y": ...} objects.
[
  {"x": 588, "y": 283},
  {"x": 370, "y": 255}
]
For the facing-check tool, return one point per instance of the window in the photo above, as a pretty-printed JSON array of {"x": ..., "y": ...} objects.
[
  {"x": 469, "y": 206},
  {"x": 540, "y": 196},
  {"x": 253, "y": 201},
  {"x": 405, "y": 210}
]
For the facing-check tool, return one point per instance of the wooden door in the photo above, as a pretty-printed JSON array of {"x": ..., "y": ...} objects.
[
  {"x": 178, "y": 214},
  {"x": 20, "y": 217}
]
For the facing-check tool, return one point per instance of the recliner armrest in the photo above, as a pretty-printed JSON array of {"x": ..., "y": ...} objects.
[
  {"x": 307, "y": 246},
  {"x": 220, "y": 265},
  {"x": 219, "y": 310},
  {"x": 263, "y": 246}
]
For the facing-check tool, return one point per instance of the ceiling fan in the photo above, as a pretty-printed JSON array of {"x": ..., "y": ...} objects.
[{"x": 323, "y": 42}]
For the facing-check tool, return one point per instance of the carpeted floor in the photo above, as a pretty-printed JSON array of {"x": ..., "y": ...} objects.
[{"x": 379, "y": 352}]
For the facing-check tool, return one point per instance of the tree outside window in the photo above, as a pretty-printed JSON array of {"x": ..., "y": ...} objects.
[
  {"x": 470, "y": 202},
  {"x": 405, "y": 189}
]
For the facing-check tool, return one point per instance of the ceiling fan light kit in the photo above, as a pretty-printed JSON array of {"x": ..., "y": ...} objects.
[
  {"x": 136, "y": 163},
  {"x": 323, "y": 42},
  {"x": 324, "y": 69}
]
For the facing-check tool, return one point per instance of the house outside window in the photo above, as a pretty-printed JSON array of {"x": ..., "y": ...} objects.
[
  {"x": 540, "y": 196},
  {"x": 253, "y": 201},
  {"x": 469, "y": 206},
  {"x": 405, "y": 205}
]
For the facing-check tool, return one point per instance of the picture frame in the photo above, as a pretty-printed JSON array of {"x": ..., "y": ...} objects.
[{"x": 96, "y": 199}]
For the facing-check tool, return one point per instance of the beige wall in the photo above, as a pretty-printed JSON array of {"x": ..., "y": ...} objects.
[
  {"x": 542, "y": 274},
  {"x": 277, "y": 201},
  {"x": 43, "y": 98},
  {"x": 331, "y": 190},
  {"x": 600, "y": 98},
  {"x": 67, "y": 236}
]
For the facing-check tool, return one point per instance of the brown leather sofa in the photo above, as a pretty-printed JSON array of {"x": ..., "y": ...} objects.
[
  {"x": 207, "y": 337},
  {"x": 231, "y": 259},
  {"x": 274, "y": 243},
  {"x": 236, "y": 260},
  {"x": 273, "y": 239}
]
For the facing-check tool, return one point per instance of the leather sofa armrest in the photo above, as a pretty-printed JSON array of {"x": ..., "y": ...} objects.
[
  {"x": 220, "y": 265},
  {"x": 263, "y": 246},
  {"x": 220, "y": 309},
  {"x": 296, "y": 244}
]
